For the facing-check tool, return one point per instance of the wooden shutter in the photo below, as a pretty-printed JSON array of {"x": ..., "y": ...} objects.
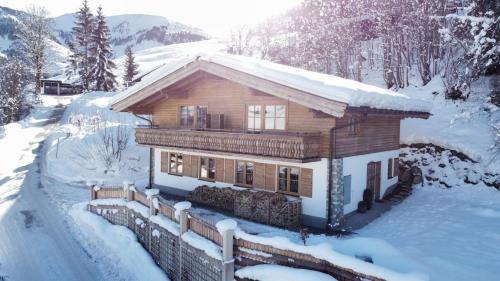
[
  {"x": 389, "y": 169},
  {"x": 219, "y": 169},
  {"x": 259, "y": 175},
  {"x": 270, "y": 177},
  {"x": 229, "y": 171},
  {"x": 164, "y": 162},
  {"x": 305, "y": 179},
  {"x": 190, "y": 168},
  {"x": 186, "y": 165},
  {"x": 396, "y": 167}
]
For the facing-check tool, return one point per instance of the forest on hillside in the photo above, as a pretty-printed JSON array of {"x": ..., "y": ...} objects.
[{"x": 399, "y": 41}]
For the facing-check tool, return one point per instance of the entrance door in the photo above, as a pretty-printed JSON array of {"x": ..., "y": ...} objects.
[{"x": 373, "y": 178}]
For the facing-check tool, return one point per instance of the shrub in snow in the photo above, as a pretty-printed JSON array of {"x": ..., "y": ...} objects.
[{"x": 304, "y": 234}]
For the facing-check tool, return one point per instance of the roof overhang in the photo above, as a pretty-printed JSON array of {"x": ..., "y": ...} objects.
[{"x": 309, "y": 100}]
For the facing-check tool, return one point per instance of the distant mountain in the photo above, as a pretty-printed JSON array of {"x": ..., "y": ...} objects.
[
  {"x": 8, "y": 20},
  {"x": 139, "y": 31}
]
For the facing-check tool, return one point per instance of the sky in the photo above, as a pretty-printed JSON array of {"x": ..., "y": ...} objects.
[{"x": 217, "y": 17}]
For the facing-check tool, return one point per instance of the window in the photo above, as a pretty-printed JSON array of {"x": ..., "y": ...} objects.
[
  {"x": 393, "y": 168},
  {"x": 175, "y": 163},
  {"x": 187, "y": 116},
  {"x": 244, "y": 172},
  {"x": 201, "y": 116},
  {"x": 353, "y": 126},
  {"x": 275, "y": 117},
  {"x": 347, "y": 190},
  {"x": 288, "y": 179},
  {"x": 207, "y": 168},
  {"x": 254, "y": 117}
]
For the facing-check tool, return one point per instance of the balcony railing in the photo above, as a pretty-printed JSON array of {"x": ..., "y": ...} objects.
[{"x": 295, "y": 146}]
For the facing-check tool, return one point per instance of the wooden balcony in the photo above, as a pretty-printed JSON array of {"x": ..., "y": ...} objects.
[{"x": 301, "y": 147}]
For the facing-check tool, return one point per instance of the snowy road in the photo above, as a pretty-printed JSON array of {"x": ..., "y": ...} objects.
[{"x": 35, "y": 241}]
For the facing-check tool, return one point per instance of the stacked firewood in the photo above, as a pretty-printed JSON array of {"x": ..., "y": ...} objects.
[{"x": 260, "y": 206}]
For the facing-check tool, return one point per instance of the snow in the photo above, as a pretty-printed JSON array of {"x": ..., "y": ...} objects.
[
  {"x": 37, "y": 241},
  {"x": 452, "y": 234},
  {"x": 467, "y": 127},
  {"x": 167, "y": 224},
  {"x": 201, "y": 243},
  {"x": 181, "y": 206},
  {"x": 255, "y": 252},
  {"x": 272, "y": 272},
  {"x": 108, "y": 202},
  {"x": 151, "y": 192},
  {"x": 326, "y": 252},
  {"x": 225, "y": 225},
  {"x": 121, "y": 242},
  {"x": 72, "y": 149},
  {"x": 138, "y": 208},
  {"x": 346, "y": 91}
]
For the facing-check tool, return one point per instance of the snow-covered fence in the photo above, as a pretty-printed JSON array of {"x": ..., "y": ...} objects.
[{"x": 189, "y": 247}]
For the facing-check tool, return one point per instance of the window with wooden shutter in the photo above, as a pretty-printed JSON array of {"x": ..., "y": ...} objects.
[
  {"x": 306, "y": 178},
  {"x": 164, "y": 162},
  {"x": 207, "y": 168},
  {"x": 393, "y": 168},
  {"x": 175, "y": 163}
]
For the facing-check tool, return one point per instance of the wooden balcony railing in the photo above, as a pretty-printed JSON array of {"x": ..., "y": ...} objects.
[{"x": 294, "y": 146}]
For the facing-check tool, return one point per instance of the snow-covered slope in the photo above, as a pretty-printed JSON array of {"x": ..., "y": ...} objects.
[
  {"x": 152, "y": 58},
  {"x": 139, "y": 31}
]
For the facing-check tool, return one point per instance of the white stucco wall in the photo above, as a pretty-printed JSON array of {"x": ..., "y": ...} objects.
[
  {"x": 356, "y": 166},
  {"x": 315, "y": 206}
]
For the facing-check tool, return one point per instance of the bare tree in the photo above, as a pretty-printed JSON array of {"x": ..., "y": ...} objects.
[
  {"x": 32, "y": 35},
  {"x": 240, "y": 40}
]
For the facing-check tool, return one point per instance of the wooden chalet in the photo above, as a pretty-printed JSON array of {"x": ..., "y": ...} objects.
[{"x": 225, "y": 120}]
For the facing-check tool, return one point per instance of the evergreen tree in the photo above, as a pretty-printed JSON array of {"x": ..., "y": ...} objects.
[
  {"x": 102, "y": 70},
  {"x": 130, "y": 67},
  {"x": 82, "y": 32}
]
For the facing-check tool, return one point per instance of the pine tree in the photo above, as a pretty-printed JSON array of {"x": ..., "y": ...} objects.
[
  {"x": 130, "y": 67},
  {"x": 82, "y": 32},
  {"x": 102, "y": 70}
]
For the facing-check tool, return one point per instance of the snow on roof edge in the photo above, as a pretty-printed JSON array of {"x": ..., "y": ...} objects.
[{"x": 353, "y": 93}]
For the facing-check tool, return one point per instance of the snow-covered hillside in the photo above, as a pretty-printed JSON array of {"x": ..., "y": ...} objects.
[
  {"x": 85, "y": 126},
  {"x": 152, "y": 58},
  {"x": 139, "y": 31}
]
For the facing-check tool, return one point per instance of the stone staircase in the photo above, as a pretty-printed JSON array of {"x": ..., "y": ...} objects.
[{"x": 399, "y": 193}]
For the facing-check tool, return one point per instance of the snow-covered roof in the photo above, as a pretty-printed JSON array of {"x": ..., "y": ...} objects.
[{"x": 333, "y": 88}]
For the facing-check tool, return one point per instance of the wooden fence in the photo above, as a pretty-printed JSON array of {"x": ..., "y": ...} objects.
[{"x": 245, "y": 252}]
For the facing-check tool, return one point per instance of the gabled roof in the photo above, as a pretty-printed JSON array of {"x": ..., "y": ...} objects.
[{"x": 323, "y": 92}]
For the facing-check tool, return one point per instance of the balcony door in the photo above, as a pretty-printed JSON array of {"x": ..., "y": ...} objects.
[
  {"x": 373, "y": 178},
  {"x": 193, "y": 116}
]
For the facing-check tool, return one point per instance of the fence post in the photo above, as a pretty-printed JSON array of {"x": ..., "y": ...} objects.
[
  {"x": 226, "y": 229},
  {"x": 153, "y": 201},
  {"x": 181, "y": 214}
]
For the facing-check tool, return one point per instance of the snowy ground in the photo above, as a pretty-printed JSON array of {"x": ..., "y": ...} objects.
[
  {"x": 35, "y": 241},
  {"x": 73, "y": 152}
]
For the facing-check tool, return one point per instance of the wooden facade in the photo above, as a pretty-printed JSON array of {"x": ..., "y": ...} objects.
[
  {"x": 306, "y": 136},
  {"x": 264, "y": 176}
]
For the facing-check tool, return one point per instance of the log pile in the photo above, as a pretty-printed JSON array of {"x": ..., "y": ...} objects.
[
  {"x": 260, "y": 206},
  {"x": 220, "y": 198}
]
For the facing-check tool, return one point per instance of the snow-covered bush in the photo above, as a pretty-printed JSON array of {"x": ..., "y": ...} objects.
[{"x": 95, "y": 143}]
